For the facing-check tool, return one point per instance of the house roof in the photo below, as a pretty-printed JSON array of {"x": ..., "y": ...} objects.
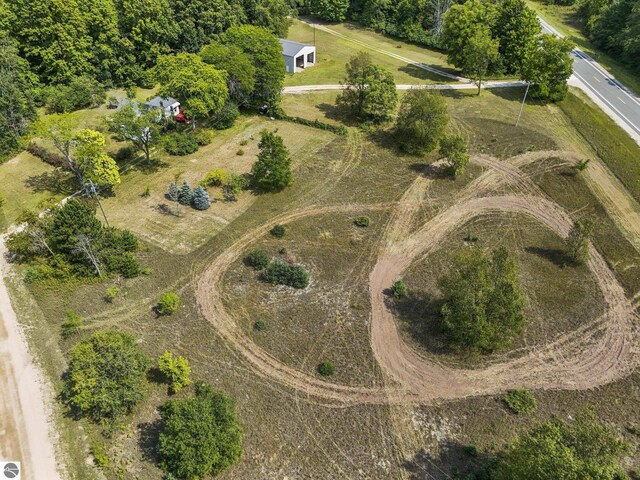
[
  {"x": 161, "y": 102},
  {"x": 291, "y": 49}
]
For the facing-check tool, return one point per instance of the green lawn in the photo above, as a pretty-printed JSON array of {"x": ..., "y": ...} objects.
[
  {"x": 567, "y": 22},
  {"x": 334, "y": 52}
]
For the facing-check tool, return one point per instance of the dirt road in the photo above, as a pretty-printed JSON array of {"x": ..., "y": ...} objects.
[
  {"x": 25, "y": 429},
  {"x": 604, "y": 349}
]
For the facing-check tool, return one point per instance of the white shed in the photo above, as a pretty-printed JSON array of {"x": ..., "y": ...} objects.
[
  {"x": 297, "y": 56},
  {"x": 169, "y": 106}
]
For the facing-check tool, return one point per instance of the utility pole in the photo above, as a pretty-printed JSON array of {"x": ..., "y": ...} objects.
[
  {"x": 523, "y": 100},
  {"x": 91, "y": 189}
]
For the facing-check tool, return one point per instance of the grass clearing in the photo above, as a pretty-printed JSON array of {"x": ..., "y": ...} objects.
[
  {"x": 334, "y": 52},
  {"x": 558, "y": 298},
  {"x": 26, "y": 182}
]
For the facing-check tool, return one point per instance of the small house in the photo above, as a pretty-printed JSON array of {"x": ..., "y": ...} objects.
[
  {"x": 297, "y": 56},
  {"x": 169, "y": 106}
]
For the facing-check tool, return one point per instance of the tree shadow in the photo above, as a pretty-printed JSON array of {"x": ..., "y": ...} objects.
[
  {"x": 422, "y": 74},
  {"x": 419, "y": 312},
  {"x": 337, "y": 113},
  {"x": 555, "y": 255},
  {"x": 166, "y": 209},
  {"x": 454, "y": 461},
  {"x": 148, "y": 439},
  {"x": 57, "y": 181}
]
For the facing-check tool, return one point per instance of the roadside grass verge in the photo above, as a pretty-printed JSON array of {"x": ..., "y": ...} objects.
[
  {"x": 558, "y": 298},
  {"x": 565, "y": 19},
  {"x": 612, "y": 144}
]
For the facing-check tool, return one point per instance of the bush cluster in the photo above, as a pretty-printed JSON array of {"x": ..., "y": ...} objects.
[
  {"x": 399, "y": 289},
  {"x": 70, "y": 242},
  {"x": 185, "y": 195},
  {"x": 47, "y": 156},
  {"x": 215, "y": 178},
  {"x": 204, "y": 137},
  {"x": 180, "y": 143},
  {"x": 257, "y": 259},
  {"x": 361, "y": 221},
  {"x": 279, "y": 272},
  {"x": 80, "y": 92},
  {"x": 520, "y": 401},
  {"x": 337, "y": 129},
  {"x": 326, "y": 369},
  {"x": 278, "y": 231}
]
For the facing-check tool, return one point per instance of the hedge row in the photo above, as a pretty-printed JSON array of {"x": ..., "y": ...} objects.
[{"x": 337, "y": 129}]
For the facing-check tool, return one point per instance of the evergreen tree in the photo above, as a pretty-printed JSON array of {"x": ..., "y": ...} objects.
[
  {"x": 578, "y": 240},
  {"x": 173, "y": 192},
  {"x": 272, "y": 171},
  {"x": 201, "y": 199},
  {"x": 185, "y": 195}
]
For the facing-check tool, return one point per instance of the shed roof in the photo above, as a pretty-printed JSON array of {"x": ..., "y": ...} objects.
[
  {"x": 161, "y": 102},
  {"x": 290, "y": 48}
]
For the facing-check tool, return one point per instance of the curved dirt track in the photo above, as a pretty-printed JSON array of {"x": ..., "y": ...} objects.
[{"x": 599, "y": 352}]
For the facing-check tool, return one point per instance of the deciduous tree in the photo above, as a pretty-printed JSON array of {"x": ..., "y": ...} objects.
[
  {"x": 240, "y": 70},
  {"x": 201, "y": 435},
  {"x": 516, "y": 27},
  {"x": 579, "y": 239},
  {"x": 454, "y": 149},
  {"x": 331, "y": 10},
  {"x": 422, "y": 120},
  {"x": 479, "y": 52},
  {"x": 139, "y": 127},
  {"x": 548, "y": 66}
]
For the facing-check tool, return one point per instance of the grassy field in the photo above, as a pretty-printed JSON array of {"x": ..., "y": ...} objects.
[
  {"x": 558, "y": 298},
  {"x": 566, "y": 20},
  {"x": 288, "y": 433},
  {"x": 333, "y": 53}
]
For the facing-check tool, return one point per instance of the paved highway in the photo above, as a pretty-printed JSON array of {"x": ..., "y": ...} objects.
[{"x": 613, "y": 97}]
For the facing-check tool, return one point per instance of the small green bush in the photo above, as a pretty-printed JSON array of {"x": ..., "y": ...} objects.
[
  {"x": 215, "y": 178},
  {"x": 399, "y": 289},
  {"x": 180, "y": 143},
  {"x": 111, "y": 293},
  {"x": 471, "y": 450},
  {"x": 361, "y": 221},
  {"x": 257, "y": 259},
  {"x": 71, "y": 326},
  {"x": 520, "y": 401},
  {"x": 226, "y": 117},
  {"x": 240, "y": 152},
  {"x": 100, "y": 456},
  {"x": 326, "y": 369},
  {"x": 204, "y": 137},
  {"x": 260, "y": 326},
  {"x": 168, "y": 303},
  {"x": 278, "y": 231},
  {"x": 280, "y": 272}
]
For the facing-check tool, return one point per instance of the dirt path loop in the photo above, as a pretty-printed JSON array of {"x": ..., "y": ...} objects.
[{"x": 602, "y": 350}]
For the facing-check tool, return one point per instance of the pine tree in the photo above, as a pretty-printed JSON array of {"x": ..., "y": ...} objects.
[
  {"x": 173, "y": 192},
  {"x": 200, "y": 199},
  {"x": 272, "y": 171},
  {"x": 185, "y": 194}
]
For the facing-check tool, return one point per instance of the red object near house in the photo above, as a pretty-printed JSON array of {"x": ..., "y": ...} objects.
[{"x": 180, "y": 117}]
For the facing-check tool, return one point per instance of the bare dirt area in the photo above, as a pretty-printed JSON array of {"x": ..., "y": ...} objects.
[
  {"x": 602, "y": 350},
  {"x": 25, "y": 429}
]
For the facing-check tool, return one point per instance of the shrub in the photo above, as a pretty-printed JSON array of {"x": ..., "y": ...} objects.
[
  {"x": 204, "y": 137},
  {"x": 81, "y": 92},
  {"x": 257, "y": 259},
  {"x": 260, "y": 326},
  {"x": 226, "y": 117},
  {"x": 215, "y": 178},
  {"x": 362, "y": 221},
  {"x": 106, "y": 377},
  {"x": 337, "y": 129},
  {"x": 279, "y": 272},
  {"x": 278, "y": 231},
  {"x": 176, "y": 371},
  {"x": 520, "y": 401},
  {"x": 201, "y": 436},
  {"x": 100, "y": 456},
  {"x": 180, "y": 143},
  {"x": 240, "y": 152},
  {"x": 168, "y": 303},
  {"x": 46, "y": 155},
  {"x": 200, "y": 200},
  {"x": 399, "y": 289},
  {"x": 326, "y": 369},
  {"x": 234, "y": 186},
  {"x": 71, "y": 326},
  {"x": 471, "y": 450},
  {"x": 111, "y": 293}
]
